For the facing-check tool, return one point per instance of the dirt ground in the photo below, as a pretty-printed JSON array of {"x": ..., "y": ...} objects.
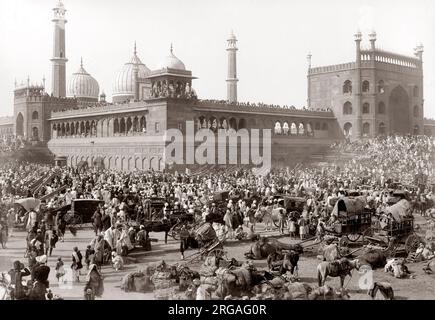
[{"x": 419, "y": 286}]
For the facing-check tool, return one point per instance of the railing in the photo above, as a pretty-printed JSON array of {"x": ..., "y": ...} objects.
[{"x": 332, "y": 68}]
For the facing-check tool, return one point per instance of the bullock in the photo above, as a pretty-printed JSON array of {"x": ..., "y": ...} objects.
[
  {"x": 373, "y": 258},
  {"x": 385, "y": 289},
  {"x": 283, "y": 262},
  {"x": 266, "y": 246},
  {"x": 339, "y": 268}
]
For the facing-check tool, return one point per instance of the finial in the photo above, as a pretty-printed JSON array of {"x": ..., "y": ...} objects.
[
  {"x": 81, "y": 62},
  {"x": 15, "y": 82},
  {"x": 135, "y": 47},
  {"x": 172, "y": 48},
  {"x": 358, "y": 35},
  {"x": 309, "y": 59}
]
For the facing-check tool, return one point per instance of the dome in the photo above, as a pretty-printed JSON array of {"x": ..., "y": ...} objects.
[
  {"x": 83, "y": 85},
  {"x": 125, "y": 78},
  {"x": 172, "y": 62}
]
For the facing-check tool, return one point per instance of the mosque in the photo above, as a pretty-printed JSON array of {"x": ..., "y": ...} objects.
[{"x": 380, "y": 93}]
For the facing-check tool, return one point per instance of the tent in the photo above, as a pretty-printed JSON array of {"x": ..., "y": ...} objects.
[
  {"x": 29, "y": 203},
  {"x": 349, "y": 206},
  {"x": 400, "y": 210}
]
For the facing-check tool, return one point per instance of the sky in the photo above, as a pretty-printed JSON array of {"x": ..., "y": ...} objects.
[{"x": 274, "y": 38}]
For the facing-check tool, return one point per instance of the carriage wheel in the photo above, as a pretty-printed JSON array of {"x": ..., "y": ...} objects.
[
  {"x": 343, "y": 246},
  {"x": 367, "y": 233},
  {"x": 175, "y": 231},
  {"x": 353, "y": 237},
  {"x": 390, "y": 251},
  {"x": 218, "y": 252},
  {"x": 412, "y": 242}
]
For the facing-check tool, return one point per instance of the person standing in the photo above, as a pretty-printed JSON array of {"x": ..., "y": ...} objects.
[
  {"x": 60, "y": 271},
  {"x": 51, "y": 239},
  {"x": 76, "y": 265},
  {"x": 98, "y": 221},
  {"x": 41, "y": 284},
  {"x": 17, "y": 274},
  {"x": 228, "y": 219}
]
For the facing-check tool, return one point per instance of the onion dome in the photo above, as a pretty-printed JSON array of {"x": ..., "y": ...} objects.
[
  {"x": 82, "y": 85},
  {"x": 172, "y": 62},
  {"x": 124, "y": 86}
]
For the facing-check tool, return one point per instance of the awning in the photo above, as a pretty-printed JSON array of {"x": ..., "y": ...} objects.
[{"x": 29, "y": 203}]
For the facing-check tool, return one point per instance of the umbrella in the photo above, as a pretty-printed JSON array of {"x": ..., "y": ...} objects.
[{"x": 29, "y": 203}]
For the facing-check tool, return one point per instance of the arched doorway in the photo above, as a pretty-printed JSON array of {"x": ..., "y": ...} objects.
[
  {"x": 398, "y": 107},
  {"x": 347, "y": 129},
  {"x": 35, "y": 134},
  {"x": 20, "y": 125}
]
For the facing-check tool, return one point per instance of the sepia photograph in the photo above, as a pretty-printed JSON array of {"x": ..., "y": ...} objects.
[{"x": 217, "y": 150}]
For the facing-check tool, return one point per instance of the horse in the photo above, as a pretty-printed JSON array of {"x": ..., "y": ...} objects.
[
  {"x": 338, "y": 268},
  {"x": 157, "y": 226},
  {"x": 385, "y": 289},
  {"x": 5, "y": 286}
]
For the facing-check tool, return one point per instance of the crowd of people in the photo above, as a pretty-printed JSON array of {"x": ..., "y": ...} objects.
[{"x": 378, "y": 165}]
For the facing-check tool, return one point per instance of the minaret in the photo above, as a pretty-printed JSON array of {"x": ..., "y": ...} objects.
[
  {"x": 232, "y": 69},
  {"x": 357, "y": 86},
  {"x": 309, "y": 82},
  {"x": 59, "y": 60},
  {"x": 136, "y": 77}
]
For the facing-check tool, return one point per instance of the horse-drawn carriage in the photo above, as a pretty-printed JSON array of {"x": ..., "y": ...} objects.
[
  {"x": 79, "y": 212},
  {"x": 393, "y": 229},
  {"x": 293, "y": 206}
]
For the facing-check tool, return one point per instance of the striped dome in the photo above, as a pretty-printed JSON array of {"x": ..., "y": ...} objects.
[
  {"x": 83, "y": 85},
  {"x": 123, "y": 88}
]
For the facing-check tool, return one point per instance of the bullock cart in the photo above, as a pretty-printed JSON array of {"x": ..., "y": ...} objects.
[
  {"x": 209, "y": 243},
  {"x": 351, "y": 220},
  {"x": 394, "y": 230}
]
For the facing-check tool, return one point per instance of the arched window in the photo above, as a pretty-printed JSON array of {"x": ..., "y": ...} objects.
[
  {"x": 285, "y": 128},
  {"x": 324, "y": 126},
  {"x": 242, "y": 124},
  {"x": 301, "y": 129},
  {"x": 35, "y": 115},
  {"x": 347, "y": 86},
  {"x": 347, "y": 129},
  {"x": 309, "y": 129},
  {"x": 365, "y": 86},
  {"x": 416, "y": 111},
  {"x": 382, "y": 128},
  {"x": 35, "y": 134},
  {"x": 293, "y": 128},
  {"x": 366, "y": 108},
  {"x": 381, "y": 108},
  {"x": 366, "y": 129},
  {"x": 416, "y": 130},
  {"x": 233, "y": 124},
  {"x": 381, "y": 86},
  {"x": 347, "y": 108},
  {"x": 277, "y": 128},
  {"x": 143, "y": 124},
  {"x": 317, "y": 126},
  {"x": 415, "y": 91}
]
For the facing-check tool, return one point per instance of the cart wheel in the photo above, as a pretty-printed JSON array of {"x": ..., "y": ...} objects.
[
  {"x": 390, "y": 250},
  {"x": 219, "y": 253},
  {"x": 175, "y": 231},
  {"x": 412, "y": 242},
  {"x": 353, "y": 237},
  {"x": 369, "y": 232},
  {"x": 343, "y": 246}
]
